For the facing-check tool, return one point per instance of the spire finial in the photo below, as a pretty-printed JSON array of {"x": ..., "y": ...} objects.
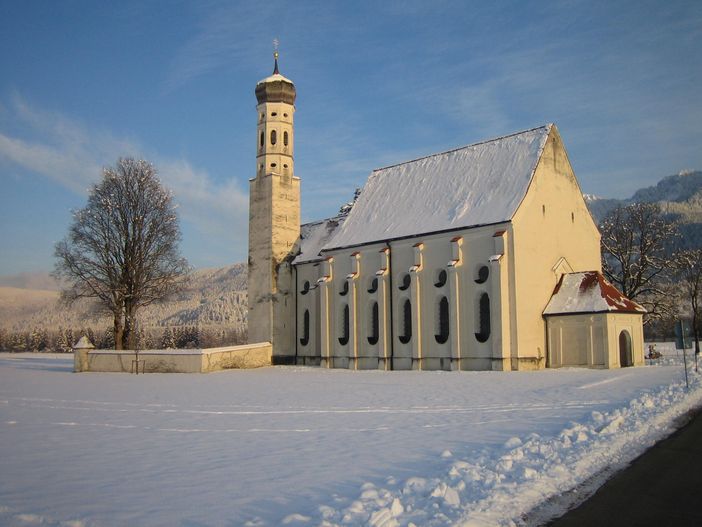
[{"x": 275, "y": 55}]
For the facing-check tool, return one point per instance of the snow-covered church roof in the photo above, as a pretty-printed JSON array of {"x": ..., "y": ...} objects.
[
  {"x": 314, "y": 236},
  {"x": 276, "y": 77},
  {"x": 480, "y": 184},
  {"x": 588, "y": 292}
]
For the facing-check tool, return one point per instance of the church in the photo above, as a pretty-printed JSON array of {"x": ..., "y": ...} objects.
[{"x": 483, "y": 257}]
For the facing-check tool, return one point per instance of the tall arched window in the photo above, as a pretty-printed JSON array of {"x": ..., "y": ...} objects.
[
  {"x": 285, "y": 138},
  {"x": 483, "y": 325},
  {"x": 305, "y": 328},
  {"x": 344, "y": 338},
  {"x": 442, "y": 321},
  {"x": 274, "y": 137},
  {"x": 374, "y": 333},
  {"x": 406, "y": 334}
]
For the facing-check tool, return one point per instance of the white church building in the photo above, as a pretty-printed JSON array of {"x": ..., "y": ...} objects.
[{"x": 483, "y": 257}]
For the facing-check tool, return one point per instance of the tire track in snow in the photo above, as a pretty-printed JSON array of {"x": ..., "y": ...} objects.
[
  {"x": 274, "y": 430},
  {"x": 172, "y": 409},
  {"x": 606, "y": 381}
]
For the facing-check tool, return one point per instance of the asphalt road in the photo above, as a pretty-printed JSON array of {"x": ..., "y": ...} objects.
[{"x": 663, "y": 487}]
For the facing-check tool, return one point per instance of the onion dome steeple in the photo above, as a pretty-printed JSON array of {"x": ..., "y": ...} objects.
[{"x": 275, "y": 88}]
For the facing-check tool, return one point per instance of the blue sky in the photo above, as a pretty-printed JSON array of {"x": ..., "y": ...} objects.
[{"x": 86, "y": 82}]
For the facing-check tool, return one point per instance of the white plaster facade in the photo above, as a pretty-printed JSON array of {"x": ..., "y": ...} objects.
[
  {"x": 592, "y": 324},
  {"x": 445, "y": 262}
]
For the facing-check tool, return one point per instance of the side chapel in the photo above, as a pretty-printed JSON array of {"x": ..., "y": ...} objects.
[{"x": 483, "y": 257}]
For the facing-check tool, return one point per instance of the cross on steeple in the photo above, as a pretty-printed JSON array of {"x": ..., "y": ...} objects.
[{"x": 276, "y": 42}]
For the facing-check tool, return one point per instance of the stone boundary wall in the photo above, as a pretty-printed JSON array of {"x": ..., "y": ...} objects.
[{"x": 173, "y": 361}]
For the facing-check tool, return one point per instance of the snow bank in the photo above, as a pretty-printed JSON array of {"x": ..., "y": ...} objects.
[{"x": 491, "y": 487}]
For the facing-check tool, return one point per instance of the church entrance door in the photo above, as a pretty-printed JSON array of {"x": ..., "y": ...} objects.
[{"x": 625, "y": 356}]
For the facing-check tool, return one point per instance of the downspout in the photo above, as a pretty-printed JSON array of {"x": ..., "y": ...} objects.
[{"x": 392, "y": 318}]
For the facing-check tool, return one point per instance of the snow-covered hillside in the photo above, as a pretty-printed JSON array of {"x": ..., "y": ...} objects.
[
  {"x": 309, "y": 446},
  {"x": 213, "y": 297}
]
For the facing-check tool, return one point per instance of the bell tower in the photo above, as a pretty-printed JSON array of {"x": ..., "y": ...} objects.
[{"x": 274, "y": 219}]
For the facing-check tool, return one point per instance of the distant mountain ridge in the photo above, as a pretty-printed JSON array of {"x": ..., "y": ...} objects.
[
  {"x": 676, "y": 188},
  {"x": 679, "y": 196}
]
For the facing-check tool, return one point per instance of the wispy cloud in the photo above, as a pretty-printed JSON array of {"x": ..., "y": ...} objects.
[
  {"x": 213, "y": 45},
  {"x": 235, "y": 35},
  {"x": 72, "y": 154},
  {"x": 56, "y": 147},
  {"x": 230, "y": 34}
]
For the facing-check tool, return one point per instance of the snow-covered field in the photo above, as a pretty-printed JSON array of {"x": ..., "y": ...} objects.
[{"x": 305, "y": 446}]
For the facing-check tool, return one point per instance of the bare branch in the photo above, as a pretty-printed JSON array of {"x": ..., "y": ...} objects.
[
  {"x": 122, "y": 247},
  {"x": 637, "y": 245}
]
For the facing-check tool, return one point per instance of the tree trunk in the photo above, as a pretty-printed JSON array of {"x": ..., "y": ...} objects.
[
  {"x": 129, "y": 327},
  {"x": 119, "y": 332}
]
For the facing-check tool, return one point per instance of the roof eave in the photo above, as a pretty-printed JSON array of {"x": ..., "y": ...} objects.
[
  {"x": 409, "y": 236},
  {"x": 602, "y": 311}
]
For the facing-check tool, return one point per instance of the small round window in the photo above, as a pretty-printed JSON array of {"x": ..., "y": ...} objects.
[
  {"x": 482, "y": 273},
  {"x": 373, "y": 287}
]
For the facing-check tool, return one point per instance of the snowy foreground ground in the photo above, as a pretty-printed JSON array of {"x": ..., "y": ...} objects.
[{"x": 305, "y": 446}]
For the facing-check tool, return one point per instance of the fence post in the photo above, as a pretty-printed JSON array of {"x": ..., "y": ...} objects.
[{"x": 80, "y": 354}]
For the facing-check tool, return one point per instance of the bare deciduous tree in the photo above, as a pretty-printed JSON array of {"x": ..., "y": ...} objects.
[
  {"x": 122, "y": 248},
  {"x": 637, "y": 246},
  {"x": 688, "y": 267}
]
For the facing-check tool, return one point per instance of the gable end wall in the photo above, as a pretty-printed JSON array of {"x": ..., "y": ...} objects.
[{"x": 551, "y": 223}]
